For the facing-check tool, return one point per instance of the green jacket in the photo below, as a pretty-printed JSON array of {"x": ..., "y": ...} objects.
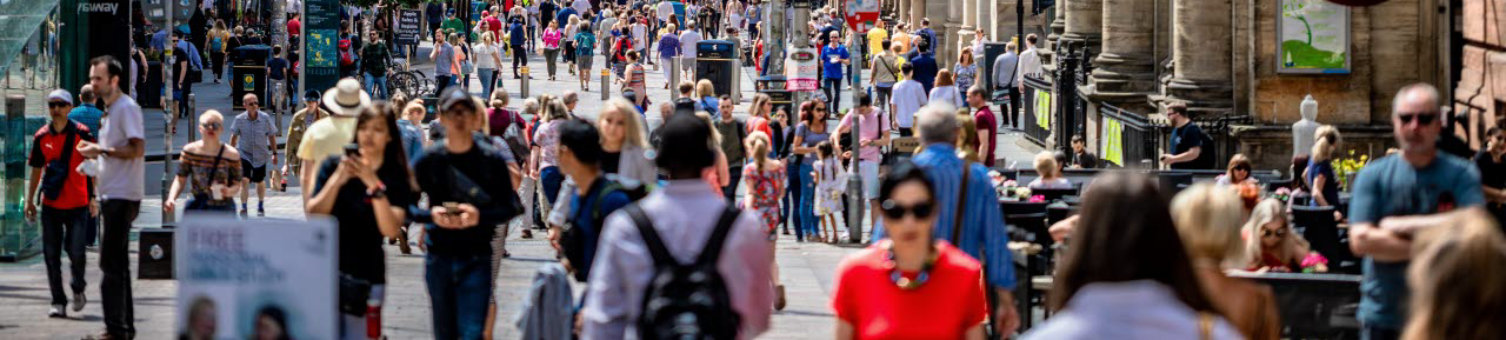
[{"x": 374, "y": 59}]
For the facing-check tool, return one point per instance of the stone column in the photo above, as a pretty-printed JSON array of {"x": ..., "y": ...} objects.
[
  {"x": 902, "y": 11},
  {"x": 917, "y": 12},
  {"x": 1058, "y": 25},
  {"x": 1125, "y": 67},
  {"x": 1201, "y": 55},
  {"x": 1085, "y": 20},
  {"x": 981, "y": 14}
]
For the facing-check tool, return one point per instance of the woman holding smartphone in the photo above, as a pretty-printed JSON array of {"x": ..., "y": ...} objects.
[{"x": 367, "y": 191}]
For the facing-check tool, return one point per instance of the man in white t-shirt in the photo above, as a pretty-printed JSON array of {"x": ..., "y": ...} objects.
[
  {"x": 688, "y": 40},
  {"x": 582, "y": 7},
  {"x": 908, "y": 97},
  {"x": 119, "y": 183}
]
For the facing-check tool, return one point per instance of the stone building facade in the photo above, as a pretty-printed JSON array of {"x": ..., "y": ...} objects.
[
  {"x": 1480, "y": 94},
  {"x": 1220, "y": 58}
]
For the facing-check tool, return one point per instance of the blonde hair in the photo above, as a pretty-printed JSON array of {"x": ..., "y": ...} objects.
[
  {"x": 758, "y": 100},
  {"x": 211, "y": 113},
  {"x": 1207, "y": 218},
  {"x": 633, "y": 132},
  {"x": 967, "y": 141},
  {"x": 758, "y": 143},
  {"x": 531, "y": 106},
  {"x": 1292, "y": 247},
  {"x": 487, "y": 38},
  {"x": 414, "y": 108},
  {"x": 1045, "y": 165},
  {"x": 1457, "y": 281},
  {"x": 704, "y": 88},
  {"x": 1325, "y": 141}
]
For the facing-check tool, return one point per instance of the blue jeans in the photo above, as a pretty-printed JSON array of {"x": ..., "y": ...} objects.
[
  {"x": 551, "y": 179},
  {"x": 487, "y": 80},
  {"x": 460, "y": 288},
  {"x": 376, "y": 86},
  {"x": 808, "y": 220},
  {"x": 833, "y": 88},
  {"x": 792, "y": 200}
]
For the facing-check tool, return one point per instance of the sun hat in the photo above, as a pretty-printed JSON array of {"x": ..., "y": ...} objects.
[{"x": 346, "y": 98}]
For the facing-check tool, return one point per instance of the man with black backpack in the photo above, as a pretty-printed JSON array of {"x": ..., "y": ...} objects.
[{"x": 681, "y": 262}]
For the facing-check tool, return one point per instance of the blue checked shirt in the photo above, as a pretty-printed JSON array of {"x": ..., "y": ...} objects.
[{"x": 983, "y": 233}]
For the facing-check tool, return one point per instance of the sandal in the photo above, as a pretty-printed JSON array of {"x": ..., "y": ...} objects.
[{"x": 779, "y": 297}]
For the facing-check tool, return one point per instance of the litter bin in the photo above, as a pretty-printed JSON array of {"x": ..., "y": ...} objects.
[
  {"x": 716, "y": 60},
  {"x": 991, "y": 51},
  {"x": 249, "y": 74}
]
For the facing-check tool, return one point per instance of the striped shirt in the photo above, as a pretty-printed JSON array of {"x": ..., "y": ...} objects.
[{"x": 983, "y": 233}]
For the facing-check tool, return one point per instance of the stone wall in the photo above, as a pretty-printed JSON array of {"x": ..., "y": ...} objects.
[
  {"x": 1392, "y": 45},
  {"x": 1481, "y": 91}
]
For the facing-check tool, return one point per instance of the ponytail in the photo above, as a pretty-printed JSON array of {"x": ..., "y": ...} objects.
[{"x": 759, "y": 143}]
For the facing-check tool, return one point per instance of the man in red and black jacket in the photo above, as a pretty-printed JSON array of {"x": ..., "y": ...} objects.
[{"x": 67, "y": 199}]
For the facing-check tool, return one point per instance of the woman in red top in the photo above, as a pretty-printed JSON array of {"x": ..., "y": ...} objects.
[{"x": 909, "y": 286}]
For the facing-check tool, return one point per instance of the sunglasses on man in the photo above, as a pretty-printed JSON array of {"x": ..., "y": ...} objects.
[
  {"x": 1423, "y": 118},
  {"x": 54, "y": 105}
]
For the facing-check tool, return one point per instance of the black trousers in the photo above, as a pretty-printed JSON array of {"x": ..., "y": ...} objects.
[
  {"x": 65, "y": 230},
  {"x": 735, "y": 175},
  {"x": 1010, "y": 108},
  {"x": 114, "y": 261},
  {"x": 519, "y": 56}
]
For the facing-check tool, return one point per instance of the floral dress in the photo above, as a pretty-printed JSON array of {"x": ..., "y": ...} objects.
[{"x": 765, "y": 188}]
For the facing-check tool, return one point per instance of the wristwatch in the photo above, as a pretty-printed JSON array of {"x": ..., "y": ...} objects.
[{"x": 380, "y": 191}]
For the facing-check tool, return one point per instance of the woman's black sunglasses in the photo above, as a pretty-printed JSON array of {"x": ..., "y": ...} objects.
[{"x": 895, "y": 211}]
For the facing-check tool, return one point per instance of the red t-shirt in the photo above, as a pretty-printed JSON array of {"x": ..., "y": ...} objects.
[
  {"x": 47, "y": 145},
  {"x": 294, "y": 26},
  {"x": 944, "y": 307},
  {"x": 988, "y": 125},
  {"x": 760, "y": 124},
  {"x": 494, "y": 25}
]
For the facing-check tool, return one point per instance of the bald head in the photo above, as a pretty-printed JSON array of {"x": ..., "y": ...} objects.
[{"x": 1415, "y": 119}]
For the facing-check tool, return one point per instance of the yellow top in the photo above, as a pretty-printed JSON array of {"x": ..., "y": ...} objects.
[
  {"x": 876, "y": 38},
  {"x": 327, "y": 137}
]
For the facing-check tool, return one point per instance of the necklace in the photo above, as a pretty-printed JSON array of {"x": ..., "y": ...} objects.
[{"x": 899, "y": 278}]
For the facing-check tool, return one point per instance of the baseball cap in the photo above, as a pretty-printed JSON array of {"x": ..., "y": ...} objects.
[
  {"x": 312, "y": 96},
  {"x": 60, "y": 95},
  {"x": 456, "y": 96}
]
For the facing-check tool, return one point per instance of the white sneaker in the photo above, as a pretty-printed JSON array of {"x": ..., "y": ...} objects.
[
  {"x": 79, "y": 301},
  {"x": 56, "y": 312}
]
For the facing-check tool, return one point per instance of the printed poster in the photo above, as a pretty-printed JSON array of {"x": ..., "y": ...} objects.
[
  {"x": 1112, "y": 141},
  {"x": 267, "y": 279},
  {"x": 1313, "y": 36},
  {"x": 802, "y": 73}
]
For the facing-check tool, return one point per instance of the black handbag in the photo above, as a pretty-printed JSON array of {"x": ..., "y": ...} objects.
[
  {"x": 56, "y": 173},
  {"x": 353, "y": 294}
]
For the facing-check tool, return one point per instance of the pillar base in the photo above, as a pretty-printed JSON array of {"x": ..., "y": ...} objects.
[{"x": 1124, "y": 73}]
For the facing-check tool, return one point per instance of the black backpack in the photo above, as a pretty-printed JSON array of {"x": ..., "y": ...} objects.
[
  {"x": 686, "y": 301},
  {"x": 573, "y": 243}
]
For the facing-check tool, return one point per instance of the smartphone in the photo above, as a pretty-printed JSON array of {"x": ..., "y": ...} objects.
[
  {"x": 352, "y": 150},
  {"x": 452, "y": 208}
]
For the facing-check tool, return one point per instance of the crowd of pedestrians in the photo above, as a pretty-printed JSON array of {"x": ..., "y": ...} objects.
[{"x": 672, "y": 230}]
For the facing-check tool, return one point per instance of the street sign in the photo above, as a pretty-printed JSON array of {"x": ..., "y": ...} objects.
[
  {"x": 861, "y": 14},
  {"x": 801, "y": 70},
  {"x": 407, "y": 27}
]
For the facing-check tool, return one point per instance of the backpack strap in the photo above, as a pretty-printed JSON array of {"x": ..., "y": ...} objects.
[
  {"x": 650, "y": 237},
  {"x": 961, "y": 203},
  {"x": 713, "y": 250}
]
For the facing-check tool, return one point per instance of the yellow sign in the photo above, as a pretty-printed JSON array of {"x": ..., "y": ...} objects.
[
  {"x": 606, "y": 72},
  {"x": 1043, "y": 109},
  {"x": 1113, "y": 141},
  {"x": 249, "y": 84},
  {"x": 524, "y": 69}
]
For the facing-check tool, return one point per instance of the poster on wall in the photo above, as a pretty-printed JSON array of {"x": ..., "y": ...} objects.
[
  {"x": 801, "y": 70},
  {"x": 1312, "y": 37},
  {"x": 1112, "y": 141},
  {"x": 268, "y": 279},
  {"x": 1043, "y": 109}
]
